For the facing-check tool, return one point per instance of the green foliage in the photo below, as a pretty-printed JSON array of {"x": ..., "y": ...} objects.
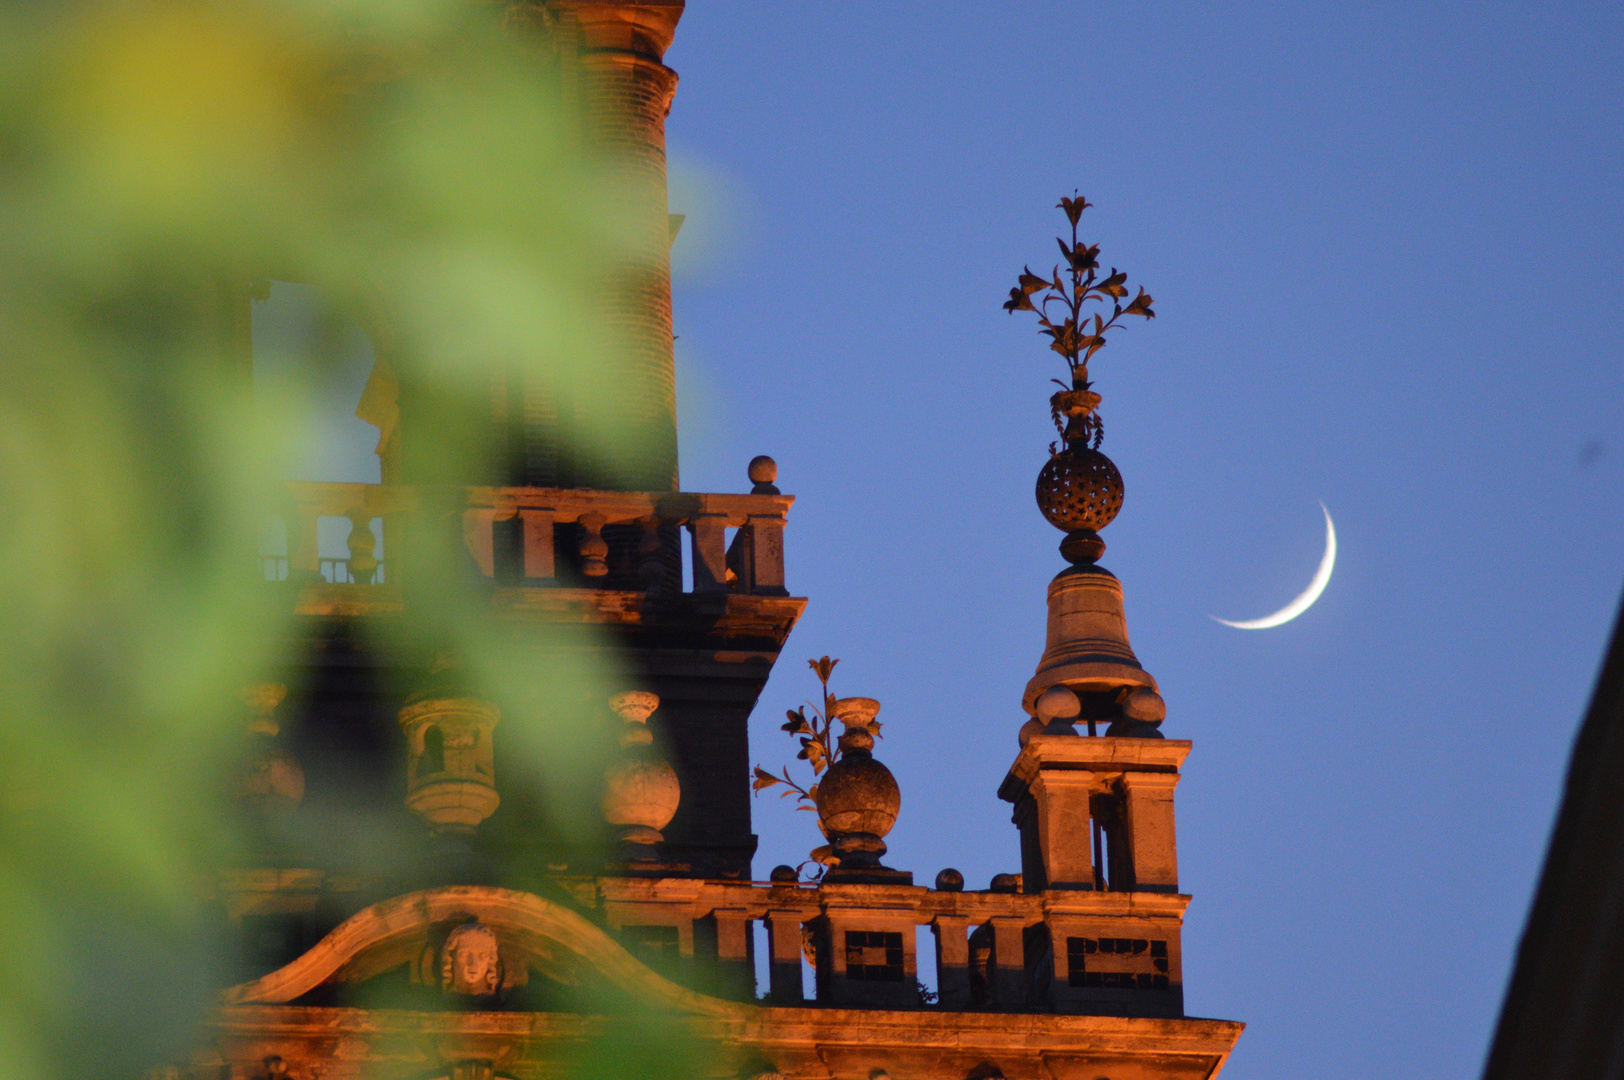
[{"x": 154, "y": 157}]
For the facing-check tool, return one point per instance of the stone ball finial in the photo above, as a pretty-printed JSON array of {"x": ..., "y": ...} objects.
[
  {"x": 1145, "y": 705},
  {"x": 950, "y": 880},
  {"x": 641, "y": 798},
  {"x": 784, "y": 874},
  {"x": 763, "y": 475},
  {"x": 763, "y": 469},
  {"x": 1058, "y": 703},
  {"x": 1058, "y": 708},
  {"x": 858, "y": 795}
]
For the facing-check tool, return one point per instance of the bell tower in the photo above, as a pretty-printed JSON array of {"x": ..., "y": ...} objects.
[
  {"x": 1093, "y": 784},
  {"x": 561, "y": 769}
]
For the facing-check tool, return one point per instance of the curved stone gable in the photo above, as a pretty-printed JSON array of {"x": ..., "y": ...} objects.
[{"x": 538, "y": 933}]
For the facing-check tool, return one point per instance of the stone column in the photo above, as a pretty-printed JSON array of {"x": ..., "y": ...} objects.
[
  {"x": 784, "y": 958},
  {"x": 952, "y": 960},
  {"x": 1151, "y": 835},
  {"x": 1062, "y": 818},
  {"x": 1007, "y": 971},
  {"x": 735, "y": 975}
]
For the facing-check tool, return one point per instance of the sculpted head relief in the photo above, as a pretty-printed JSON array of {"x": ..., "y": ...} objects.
[{"x": 470, "y": 961}]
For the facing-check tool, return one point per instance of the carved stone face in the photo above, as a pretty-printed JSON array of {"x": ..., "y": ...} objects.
[{"x": 470, "y": 962}]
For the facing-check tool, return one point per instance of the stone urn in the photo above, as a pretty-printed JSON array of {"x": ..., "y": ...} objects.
[
  {"x": 858, "y": 798},
  {"x": 640, "y": 791}
]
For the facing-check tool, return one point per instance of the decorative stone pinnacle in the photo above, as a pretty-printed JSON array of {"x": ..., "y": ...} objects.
[{"x": 858, "y": 798}]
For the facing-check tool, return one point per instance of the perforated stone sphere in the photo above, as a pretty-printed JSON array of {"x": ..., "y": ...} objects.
[{"x": 1079, "y": 489}]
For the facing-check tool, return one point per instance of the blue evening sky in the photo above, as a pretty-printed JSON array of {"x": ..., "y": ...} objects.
[{"x": 1384, "y": 243}]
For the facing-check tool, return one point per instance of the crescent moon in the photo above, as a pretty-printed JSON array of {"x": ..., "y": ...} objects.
[{"x": 1322, "y": 578}]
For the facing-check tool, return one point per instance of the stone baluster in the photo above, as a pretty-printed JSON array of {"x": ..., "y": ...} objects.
[
  {"x": 735, "y": 976},
  {"x": 784, "y": 950},
  {"x": 363, "y": 545},
  {"x": 652, "y": 571},
  {"x": 304, "y": 557},
  {"x": 479, "y": 536},
  {"x": 1007, "y": 964},
  {"x": 594, "y": 549}
]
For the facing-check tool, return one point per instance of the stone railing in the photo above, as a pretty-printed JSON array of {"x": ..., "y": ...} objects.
[
  {"x": 542, "y": 536},
  {"x": 1001, "y": 949},
  {"x": 867, "y": 946}
]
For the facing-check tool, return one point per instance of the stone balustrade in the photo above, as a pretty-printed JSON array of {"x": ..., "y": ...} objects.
[
  {"x": 546, "y": 536},
  {"x": 1065, "y": 951},
  {"x": 1109, "y": 953}
]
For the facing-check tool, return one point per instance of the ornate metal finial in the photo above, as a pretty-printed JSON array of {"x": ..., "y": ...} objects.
[{"x": 1079, "y": 490}]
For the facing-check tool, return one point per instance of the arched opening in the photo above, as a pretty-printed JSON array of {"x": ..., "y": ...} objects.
[{"x": 433, "y": 759}]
